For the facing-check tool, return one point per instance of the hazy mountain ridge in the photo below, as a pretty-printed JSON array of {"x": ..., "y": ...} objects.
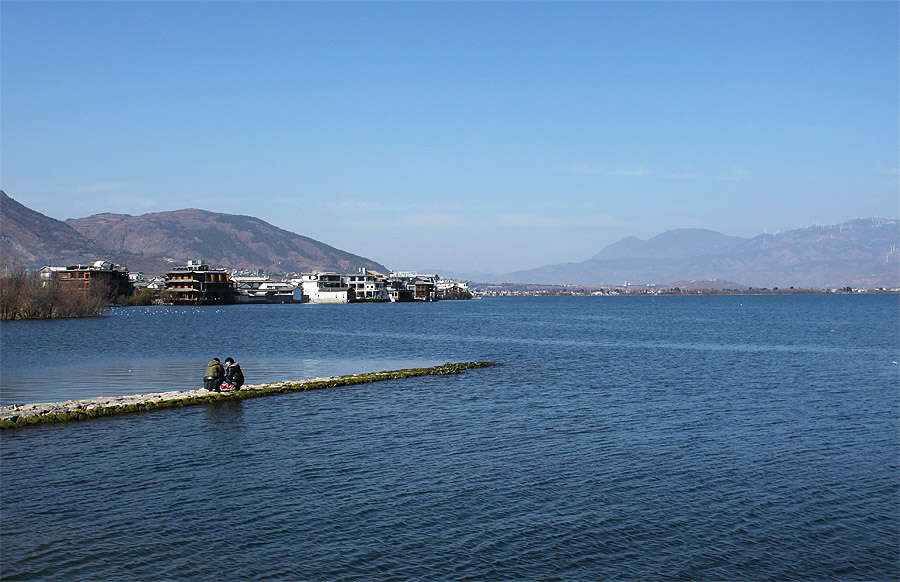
[
  {"x": 672, "y": 244},
  {"x": 860, "y": 252},
  {"x": 854, "y": 253}
]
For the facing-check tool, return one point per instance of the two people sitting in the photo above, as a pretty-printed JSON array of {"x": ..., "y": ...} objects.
[{"x": 218, "y": 377}]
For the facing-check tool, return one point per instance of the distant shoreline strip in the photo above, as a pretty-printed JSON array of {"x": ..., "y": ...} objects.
[{"x": 22, "y": 415}]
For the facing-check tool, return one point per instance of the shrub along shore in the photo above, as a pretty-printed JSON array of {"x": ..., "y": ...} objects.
[{"x": 20, "y": 415}]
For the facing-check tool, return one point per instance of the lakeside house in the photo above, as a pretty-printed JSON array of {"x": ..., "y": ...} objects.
[
  {"x": 451, "y": 289},
  {"x": 371, "y": 286},
  {"x": 156, "y": 284},
  {"x": 410, "y": 286},
  {"x": 319, "y": 287},
  {"x": 199, "y": 284},
  {"x": 425, "y": 288},
  {"x": 256, "y": 289},
  {"x": 104, "y": 277},
  {"x": 399, "y": 285},
  {"x": 368, "y": 286}
]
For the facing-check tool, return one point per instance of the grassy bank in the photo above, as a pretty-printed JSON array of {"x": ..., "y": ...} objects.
[{"x": 257, "y": 391}]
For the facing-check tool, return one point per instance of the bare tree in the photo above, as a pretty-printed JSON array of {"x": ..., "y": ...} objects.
[{"x": 28, "y": 295}]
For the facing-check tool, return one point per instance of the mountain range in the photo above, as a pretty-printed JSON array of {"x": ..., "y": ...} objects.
[
  {"x": 858, "y": 253},
  {"x": 154, "y": 243}
]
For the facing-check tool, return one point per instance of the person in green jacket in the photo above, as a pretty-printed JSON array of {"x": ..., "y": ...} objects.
[{"x": 215, "y": 373}]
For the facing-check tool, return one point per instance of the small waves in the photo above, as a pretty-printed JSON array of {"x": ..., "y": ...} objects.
[{"x": 594, "y": 457}]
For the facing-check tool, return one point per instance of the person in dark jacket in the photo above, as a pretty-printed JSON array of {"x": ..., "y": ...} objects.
[
  {"x": 234, "y": 377},
  {"x": 215, "y": 373}
]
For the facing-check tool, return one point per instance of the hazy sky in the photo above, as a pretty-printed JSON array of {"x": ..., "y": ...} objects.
[{"x": 464, "y": 136}]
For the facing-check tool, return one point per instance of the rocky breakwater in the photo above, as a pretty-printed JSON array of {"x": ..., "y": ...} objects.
[{"x": 21, "y": 415}]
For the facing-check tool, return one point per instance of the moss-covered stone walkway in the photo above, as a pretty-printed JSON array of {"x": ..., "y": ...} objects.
[{"x": 21, "y": 415}]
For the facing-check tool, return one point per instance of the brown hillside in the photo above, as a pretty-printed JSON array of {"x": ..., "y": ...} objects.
[{"x": 227, "y": 240}]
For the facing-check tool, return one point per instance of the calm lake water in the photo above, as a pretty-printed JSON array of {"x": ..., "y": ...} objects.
[{"x": 629, "y": 438}]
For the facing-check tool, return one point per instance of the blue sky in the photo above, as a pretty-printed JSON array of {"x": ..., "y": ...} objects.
[{"x": 482, "y": 136}]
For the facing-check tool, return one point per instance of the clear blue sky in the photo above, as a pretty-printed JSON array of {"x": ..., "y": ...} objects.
[{"x": 464, "y": 136}]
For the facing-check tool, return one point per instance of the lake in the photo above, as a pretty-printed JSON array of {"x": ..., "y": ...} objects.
[{"x": 630, "y": 438}]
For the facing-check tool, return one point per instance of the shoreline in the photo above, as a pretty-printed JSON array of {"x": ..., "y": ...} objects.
[
  {"x": 511, "y": 290},
  {"x": 22, "y": 415}
]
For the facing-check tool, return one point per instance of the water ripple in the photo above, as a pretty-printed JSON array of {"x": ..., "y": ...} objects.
[{"x": 647, "y": 440}]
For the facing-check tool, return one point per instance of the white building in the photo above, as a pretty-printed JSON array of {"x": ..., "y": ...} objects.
[
  {"x": 48, "y": 272},
  {"x": 157, "y": 283},
  {"x": 400, "y": 285},
  {"x": 253, "y": 289},
  {"x": 445, "y": 285},
  {"x": 367, "y": 286},
  {"x": 321, "y": 288}
]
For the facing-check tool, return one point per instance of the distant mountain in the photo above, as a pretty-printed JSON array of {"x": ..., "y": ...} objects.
[
  {"x": 33, "y": 240},
  {"x": 862, "y": 252},
  {"x": 681, "y": 243},
  {"x": 28, "y": 237},
  {"x": 154, "y": 243},
  {"x": 859, "y": 253},
  {"x": 227, "y": 240}
]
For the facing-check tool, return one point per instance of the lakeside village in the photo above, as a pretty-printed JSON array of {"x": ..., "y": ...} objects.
[{"x": 199, "y": 284}]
